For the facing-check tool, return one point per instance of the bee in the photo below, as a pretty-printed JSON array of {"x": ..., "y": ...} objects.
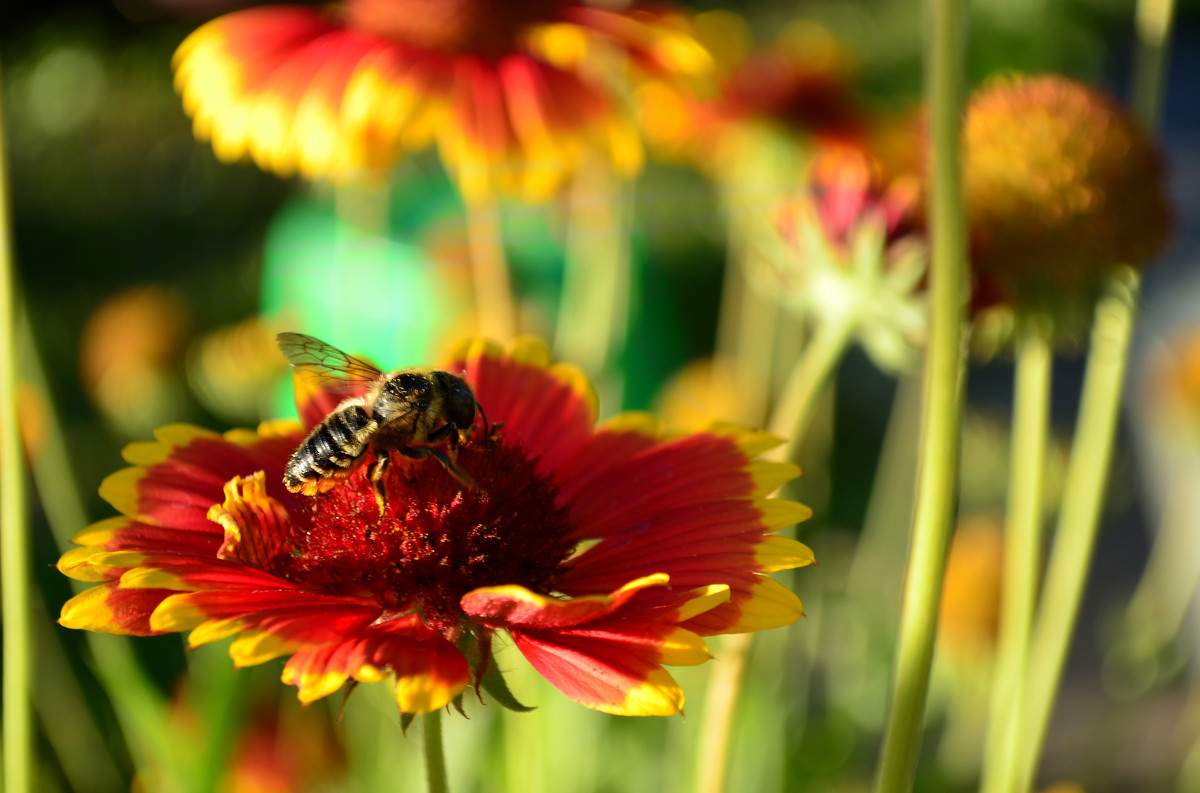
[{"x": 410, "y": 411}]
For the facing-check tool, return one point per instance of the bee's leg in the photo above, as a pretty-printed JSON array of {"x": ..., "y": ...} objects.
[
  {"x": 447, "y": 433},
  {"x": 378, "y": 469},
  {"x": 421, "y": 452},
  {"x": 454, "y": 470}
]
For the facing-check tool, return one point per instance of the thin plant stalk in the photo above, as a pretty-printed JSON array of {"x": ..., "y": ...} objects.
[
  {"x": 747, "y": 325},
  {"x": 435, "y": 756},
  {"x": 937, "y": 484},
  {"x": 593, "y": 313},
  {"x": 809, "y": 380},
  {"x": 1083, "y": 499},
  {"x": 720, "y": 707},
  {"x": 139, "y": 706},
  {"x": 1091, "y": 452},
  {"x": 1154, "y": 20},
  {"x": 1022, "y": 557},
  {"x": 14, "y": 529},
  {"x": 494, "y": 306}
]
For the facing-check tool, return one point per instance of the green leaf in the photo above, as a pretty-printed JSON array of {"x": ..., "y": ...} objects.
[{"x": 493, "y": 683}]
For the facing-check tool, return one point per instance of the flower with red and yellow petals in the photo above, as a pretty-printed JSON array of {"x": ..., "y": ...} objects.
[
  {"x": 604, "y": 552},
  {"x": 504, "y": 89}
]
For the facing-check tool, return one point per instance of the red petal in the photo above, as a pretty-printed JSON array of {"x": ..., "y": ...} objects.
[
  {"x": 541, "y": 413},
  {"x": 301, "y": 617},
  {"x": 178, "y": 490},
  {"x": 615, "y": 678},
  {"x": 429, "y": 670},
  {"x": 610, "y": 488},
  {"x": 109, "y": 609},
  {"x": 516, "y": 606}
]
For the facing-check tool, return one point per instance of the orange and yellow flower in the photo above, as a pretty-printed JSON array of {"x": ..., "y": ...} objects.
[
  {"x": 604, "y": 552},
  {"x": 505, "y": 90},
  {"x": 1063, "y": 185}
]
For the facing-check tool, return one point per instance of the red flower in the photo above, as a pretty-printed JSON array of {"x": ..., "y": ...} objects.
[
  {"x": 347, "y": 90},
  {"x": 604, "y": 552}
]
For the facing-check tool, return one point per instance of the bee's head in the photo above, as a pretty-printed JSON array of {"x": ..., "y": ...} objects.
[{"x": 459, "y": 406}]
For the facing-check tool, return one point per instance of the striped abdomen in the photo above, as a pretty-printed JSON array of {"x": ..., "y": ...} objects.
[{"x": 329, "y": 452}]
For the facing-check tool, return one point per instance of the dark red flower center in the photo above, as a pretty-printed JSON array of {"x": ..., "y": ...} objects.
[
  {"x": 436, "y": 539},
  {"x": 483, "y": 27}
]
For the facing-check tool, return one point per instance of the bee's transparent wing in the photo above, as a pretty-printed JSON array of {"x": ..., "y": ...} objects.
[{"x": 324, "y": 361}]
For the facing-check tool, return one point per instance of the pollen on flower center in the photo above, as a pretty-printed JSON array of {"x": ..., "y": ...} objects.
[
  {"x": 484, "y": 27},
  {"x": 437, "y": 540}
]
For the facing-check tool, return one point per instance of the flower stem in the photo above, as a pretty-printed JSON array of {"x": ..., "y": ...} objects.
[
  {"x": 1079, "y": 517},
  {"x": 14, "y": 530},
  {"x": 806, "y": 384},
  {"x": 1154, "y": 18},
  {"x": 720, "y": 703},
  {"x": 808, "y": 379},
  {"x": 1091, "y": 450},
  {"x": 435, "y": 755},
  {"x": 937, "y": 482},
  {"x": 1022, "y": 561},
  {"x": 494, "y": 304},
  {"x": 593, "y": 312}
]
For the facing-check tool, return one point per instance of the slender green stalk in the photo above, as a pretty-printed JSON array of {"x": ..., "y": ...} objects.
[
  {"x": 808, "y": 380},
  {"x": 720, "y": 705},
  {"x": 593, "y": 312},
  {"x": 14, "y": 529},
  {"x": 1079, "y": 518},
  {"x": 1022, "y": 559},
  {"x": 937, "y": 483},
  {"x": 435, "y": 755},
  {"x": 1154, "y": 18},
  {"x": 494, "y": 306},
  {"x": 137, "y": 702},
  {"x": 747, "y": 323},
  {"x": 806, "y": 384},
  {"x": 874, "y": 567},
  {"x": 1091, "y": 451}
]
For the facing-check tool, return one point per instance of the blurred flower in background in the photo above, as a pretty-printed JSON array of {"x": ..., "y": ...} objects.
[
  {"x": 285, "y": 748},
  {"x": 798, "y": 89},
  {"x": 233, "y": 370},
  {"x": 130, "y": 355},
  {"x": 1062, "y": 186},
  {"x": 503, "y": 89},
  {"x": 970, "y": 610},
  {"x": 210, "y": 541},
  {"x": 850, "y": 252}
]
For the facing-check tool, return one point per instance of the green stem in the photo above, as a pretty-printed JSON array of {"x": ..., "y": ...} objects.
[
  {"x": 494, "y": 304},
  {"x": 435, "y": 755},
  {"x": 720, "y": 704},
  {"x": 1091, "y": 451},
  {"x": 1022, "y": 562},
  {"x": 593, "y": 311},
  {"x": 1154, "y": 18},
  {"x": 1079, "y": 517},
  {"x": 138, "y": 704},
  {"x": 937, "y": 483},
  {"x": 14, "y": 529},
  {"x": 808, "y": 380},
  {"x": 806, "y": 384}
]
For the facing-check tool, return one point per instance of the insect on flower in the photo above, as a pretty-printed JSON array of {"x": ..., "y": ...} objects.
[
  {"x": 605, "y": 553},
  {"x": 410, "y": 411}
]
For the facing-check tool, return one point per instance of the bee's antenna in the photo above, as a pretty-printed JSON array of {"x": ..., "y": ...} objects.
[{"x": 486, "y": 427}]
